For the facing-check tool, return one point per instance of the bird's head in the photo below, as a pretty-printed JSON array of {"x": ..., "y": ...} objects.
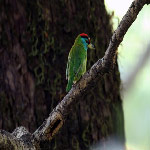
[{"x": 86, "y": 41}]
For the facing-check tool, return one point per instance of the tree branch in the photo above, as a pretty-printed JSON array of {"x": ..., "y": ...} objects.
[
  {"x": 20, "y": 139},
  {"x": 57, "y": 117},
  {"x": 102, "y": 66}
]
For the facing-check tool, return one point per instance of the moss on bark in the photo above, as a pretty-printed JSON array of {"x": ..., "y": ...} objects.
[{"x": 36, "y": 39}]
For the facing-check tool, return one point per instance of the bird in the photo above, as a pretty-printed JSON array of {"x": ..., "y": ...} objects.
[{"x": 77, "y": 59}]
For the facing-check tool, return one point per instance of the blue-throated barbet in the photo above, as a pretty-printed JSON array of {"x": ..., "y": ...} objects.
[{"x": 77, "y": 59}]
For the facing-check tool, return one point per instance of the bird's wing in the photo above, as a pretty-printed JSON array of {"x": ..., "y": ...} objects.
[
  {"x": 77, "y": 73},
  {"x": 77, "y": 57}
]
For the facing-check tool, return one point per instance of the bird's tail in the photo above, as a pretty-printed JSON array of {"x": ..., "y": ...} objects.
[{"x": 69, "y": 85}]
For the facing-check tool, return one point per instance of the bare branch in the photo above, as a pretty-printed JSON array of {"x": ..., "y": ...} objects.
[
  {"x": 20, "y": 139},
  {"x": 51, "y": 126},
  {"x": 54, "y": 122}
]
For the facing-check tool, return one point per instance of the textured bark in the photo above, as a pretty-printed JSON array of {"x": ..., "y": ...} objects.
[
  {"x": 17, "y": 82},
  {"x": 20, "y": 139},
  {"x": 33, "y": 40},
  {"x": 101, "y": 67}
]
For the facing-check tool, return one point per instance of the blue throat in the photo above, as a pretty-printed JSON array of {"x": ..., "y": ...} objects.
[{"x": 84, "y": 43}]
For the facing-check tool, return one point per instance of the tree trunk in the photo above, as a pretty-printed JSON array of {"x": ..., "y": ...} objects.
[{"x": 35, "y": 39}]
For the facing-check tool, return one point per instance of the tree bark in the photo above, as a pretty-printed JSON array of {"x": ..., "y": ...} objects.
[{"x": 35, "y": 40}]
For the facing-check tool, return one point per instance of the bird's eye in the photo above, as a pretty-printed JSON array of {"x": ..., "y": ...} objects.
[{"x": 87, "y": 41}]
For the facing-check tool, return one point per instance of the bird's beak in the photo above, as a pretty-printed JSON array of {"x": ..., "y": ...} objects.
[{"x": 91, "y": 46}]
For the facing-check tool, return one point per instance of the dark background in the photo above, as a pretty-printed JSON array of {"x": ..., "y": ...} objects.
[{"x": 35, "y": 39}]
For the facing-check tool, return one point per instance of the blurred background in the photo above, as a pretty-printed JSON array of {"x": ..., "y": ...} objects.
[
  {"x": 35, "y": 39},
  {"x": 135, "y": 92}
]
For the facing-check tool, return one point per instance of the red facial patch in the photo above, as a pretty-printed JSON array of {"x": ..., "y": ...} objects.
[{"x": 83, "y": 35}]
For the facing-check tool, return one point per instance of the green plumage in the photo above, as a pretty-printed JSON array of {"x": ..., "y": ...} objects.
[{"x": 76, "y": 65}]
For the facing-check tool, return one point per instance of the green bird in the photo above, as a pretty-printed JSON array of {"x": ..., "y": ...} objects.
[{"x": 77, "y": 59}]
